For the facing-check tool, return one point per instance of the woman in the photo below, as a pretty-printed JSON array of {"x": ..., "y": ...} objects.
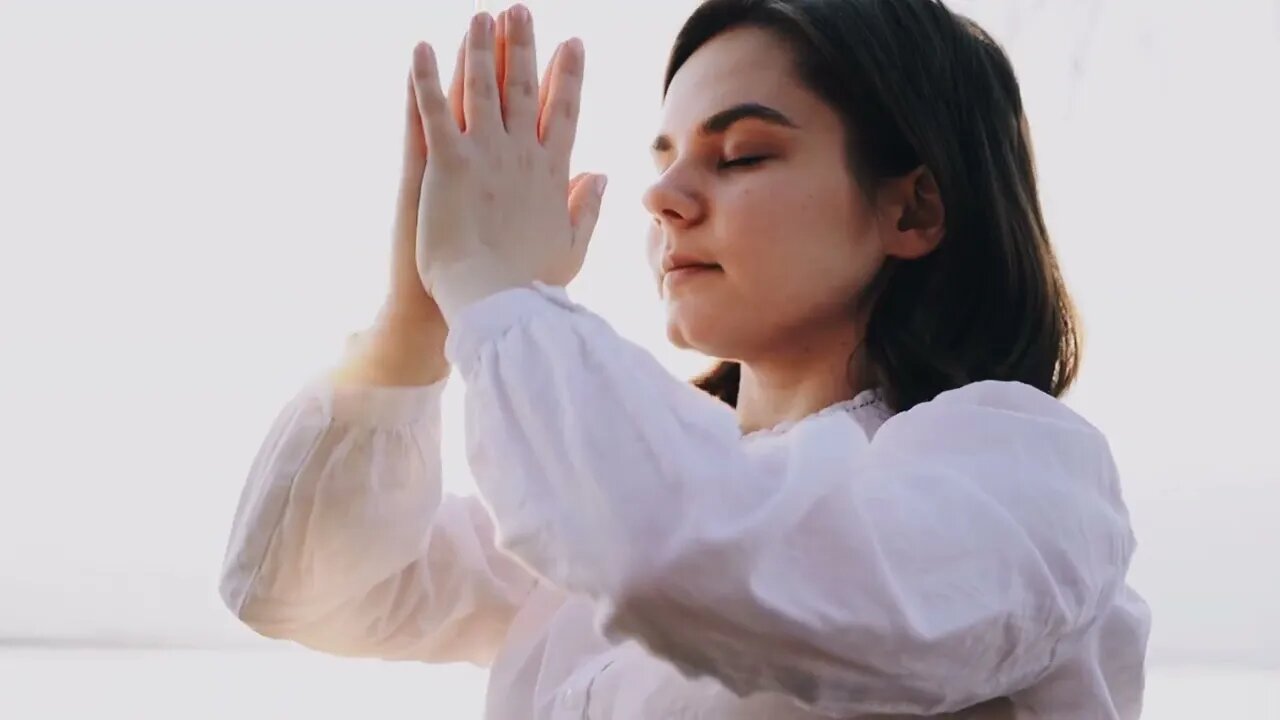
[{"x": 876, "y": 509}]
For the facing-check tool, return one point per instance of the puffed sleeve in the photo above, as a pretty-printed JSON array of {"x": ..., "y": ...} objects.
[
  {"x": 344, "y": 542},
  {"x": 948, "y": 560}
]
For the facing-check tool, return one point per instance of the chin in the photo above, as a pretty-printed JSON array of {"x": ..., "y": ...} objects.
[
  {"x": 676, "y": 337},
  {"x": 701, "y": 332}
]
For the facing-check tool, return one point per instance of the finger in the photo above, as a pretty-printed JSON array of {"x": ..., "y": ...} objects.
[
  {"x": 520, "y": 93},
  {"x": 500, "y": 54},
  {"x": 544, "y": 86},
  {"x": 438, "y": 124},
  {"x": 480, "y": 95},
  {"x": 456, "y": 87},
  {"x": 586, "y": 195},
  {"x": 560, "y": 118},
  {"x": 415, "y": 141}
]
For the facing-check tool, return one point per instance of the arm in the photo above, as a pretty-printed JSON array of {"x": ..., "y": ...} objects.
[
  {"x": 941, "y": 564},
  {"x": 342, "y": 540}
]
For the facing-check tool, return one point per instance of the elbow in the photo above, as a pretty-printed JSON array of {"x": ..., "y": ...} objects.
[
  {"x": 274, "y": 604},
  {"x": 270, "y": 614},
  {"x": 927, "y": 673},
  {"x": 994, "y": 659},
  {"x": 234, "y": 587},
  {"x": 837, "y": 680},
  {"x": 838, "y": 670},
  {"x": 709, "y": 630},
  {"x": 383, "y": 622},
  {"x": 687, "y": 635},
  {"x": 275, "y": 620},
  {"x": 237, "y": 592}
]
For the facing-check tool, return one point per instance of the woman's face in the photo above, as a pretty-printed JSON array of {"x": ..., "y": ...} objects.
[{"x": 754, "y": 200}]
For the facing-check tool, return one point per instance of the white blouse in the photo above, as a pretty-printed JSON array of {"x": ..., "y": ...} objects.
[{"x": 633, "y": 556}]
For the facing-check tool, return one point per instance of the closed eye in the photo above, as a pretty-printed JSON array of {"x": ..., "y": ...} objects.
[{"x": 742, "y": 162}]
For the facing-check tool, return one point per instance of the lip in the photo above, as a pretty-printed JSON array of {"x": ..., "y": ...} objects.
[
  {"x": 682, "y": 274},
  {"x": 679, "y": 260}
]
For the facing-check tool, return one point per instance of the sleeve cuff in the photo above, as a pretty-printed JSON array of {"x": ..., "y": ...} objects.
[
  {"x": 486, "y": 320},
  {"x": 379, "y": 406}
]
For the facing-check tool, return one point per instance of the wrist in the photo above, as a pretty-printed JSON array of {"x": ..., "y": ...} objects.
[
  {"x": 400, "y": 348},
  {"x": 411, "y": 319},
  {"x": 457, "y": 287}
]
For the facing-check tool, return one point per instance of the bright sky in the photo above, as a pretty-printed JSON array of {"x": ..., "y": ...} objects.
[{"x": 194, "y": 210}]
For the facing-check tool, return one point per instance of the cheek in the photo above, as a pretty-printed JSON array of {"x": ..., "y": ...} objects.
[
  {"x": 779, "y": 228},
  {"x": 798, "y": 242},
  {"x": 752, "y": 227},
  {"x": 797, "y": 250}
]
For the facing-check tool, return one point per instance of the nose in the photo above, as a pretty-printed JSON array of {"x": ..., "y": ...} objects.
[{"x": 673, "y": 204}]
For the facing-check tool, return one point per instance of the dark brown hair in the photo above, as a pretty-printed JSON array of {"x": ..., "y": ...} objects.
[{"x": 916, "y": 84}]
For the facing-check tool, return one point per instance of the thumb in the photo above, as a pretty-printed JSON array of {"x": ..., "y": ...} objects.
[{"x": 586, "y": 193}]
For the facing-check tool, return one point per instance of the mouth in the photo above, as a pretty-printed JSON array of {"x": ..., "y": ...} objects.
[{"x": 682, "y": 274}]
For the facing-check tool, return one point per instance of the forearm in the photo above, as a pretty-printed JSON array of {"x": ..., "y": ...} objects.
[
  {"x": 342, "y": 542},
  {"x": 574, "y": 434}
]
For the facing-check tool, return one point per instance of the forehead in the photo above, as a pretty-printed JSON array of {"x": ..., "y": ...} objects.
[{"x": 745, "y": 64}]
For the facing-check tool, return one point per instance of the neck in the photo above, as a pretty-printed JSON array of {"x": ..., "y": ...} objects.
[{"x": 787, "y": 388}]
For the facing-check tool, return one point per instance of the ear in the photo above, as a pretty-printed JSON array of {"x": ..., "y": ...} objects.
[{"x": 914, "y": 219}]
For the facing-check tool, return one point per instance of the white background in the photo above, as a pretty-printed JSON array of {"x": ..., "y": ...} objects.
[{"x": 194, "y": 209}]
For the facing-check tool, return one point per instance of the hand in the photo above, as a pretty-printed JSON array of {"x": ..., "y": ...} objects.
[
  {"x": 497, "y": 209},
  {"x": 407, "y": 302},
  {"x": 405, "y": 345}
]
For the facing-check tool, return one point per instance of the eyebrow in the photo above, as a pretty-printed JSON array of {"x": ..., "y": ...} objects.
[{"x": 723, "y": 120}]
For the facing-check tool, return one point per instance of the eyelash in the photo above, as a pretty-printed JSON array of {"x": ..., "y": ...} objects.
[{"x": 742, "y": 162}]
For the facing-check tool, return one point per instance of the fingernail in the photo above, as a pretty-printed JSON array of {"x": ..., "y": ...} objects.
[
  {"x": 602, "y": 181},
  {"x": 520, "y": 13}
]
